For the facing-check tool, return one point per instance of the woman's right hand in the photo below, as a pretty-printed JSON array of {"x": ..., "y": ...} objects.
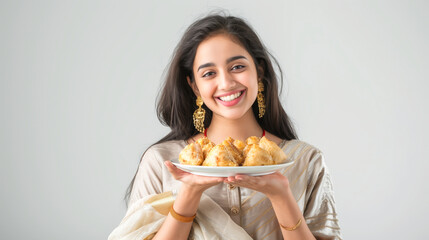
[
  {"x": 186, "y": 203},
  {"x": 191, "y": 181}
]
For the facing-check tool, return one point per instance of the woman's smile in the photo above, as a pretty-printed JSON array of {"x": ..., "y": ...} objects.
[{"x": 230, "y": 99}]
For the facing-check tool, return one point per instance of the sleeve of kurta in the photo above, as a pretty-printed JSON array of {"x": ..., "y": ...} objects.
[
  {"x": 148, "y": 179},
  {"x": 320, "y": 213}
]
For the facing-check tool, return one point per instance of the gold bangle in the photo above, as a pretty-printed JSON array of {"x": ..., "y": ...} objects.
[
  {"x": 181, "y": 218},
  {"x": 294, "y": 227}
]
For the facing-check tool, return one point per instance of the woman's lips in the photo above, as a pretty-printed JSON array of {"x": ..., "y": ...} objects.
[{"x": 231, "y": 99}]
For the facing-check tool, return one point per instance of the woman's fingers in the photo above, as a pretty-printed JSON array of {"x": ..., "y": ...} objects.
[
  {"x": 243, "y": 178},
  {"x": 177, "y": 173},
  {"x": 170, "y": 166},
  {"x": 265, "y": 184},
  {"x": 187, "y": 177},
  {"x": 262, "y": 184}
]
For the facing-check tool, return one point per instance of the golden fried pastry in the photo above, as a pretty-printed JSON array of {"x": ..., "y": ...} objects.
[
  {"x": 256, "y": 156},
  {"x": 275, "y": 151},
  {"x": 247, "y": 149},
  {"x": 252, "y": 140},
  {"x": 230, "y": 140},
  {"x": 240, "y": 145},
  {"x": 220, "y": 156},
  {"x": 192, "y": 154},
  {"x": 206, "y": 145},
  {"x": 233, "y": 151},
  {"x": 254, "y": 151}
]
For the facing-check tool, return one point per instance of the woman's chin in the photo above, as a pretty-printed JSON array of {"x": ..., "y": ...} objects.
[{"x": 238, "y": 116}]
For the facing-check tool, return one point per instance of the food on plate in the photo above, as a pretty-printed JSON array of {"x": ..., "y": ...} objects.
[
  {"x": 206, "y": 145},
  {"x": 240, "y": 145},
  {"x": 220, "y": 156},
  {"x": 275, "y": 151},
  {"x": 257, "y": 156},
  {"x": 254, "y": 151},
  {"x": 236, "y": 154},
  {"x": 192, "y": 154},
  {"x": 252, "y": 140}
]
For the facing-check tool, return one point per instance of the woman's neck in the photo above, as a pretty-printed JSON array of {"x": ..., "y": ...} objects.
[{"x": 220, "y": 128}]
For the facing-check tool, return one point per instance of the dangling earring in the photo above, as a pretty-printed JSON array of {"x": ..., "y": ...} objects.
[
  {"x": 199, "y": 115},
  {"x": 261, "y": 101}
]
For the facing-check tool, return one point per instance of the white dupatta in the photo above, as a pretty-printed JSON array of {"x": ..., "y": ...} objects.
[{"x": 144, "y": 218}]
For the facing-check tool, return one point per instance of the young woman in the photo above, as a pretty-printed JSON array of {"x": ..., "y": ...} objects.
[{"x": 221, "y": 61}]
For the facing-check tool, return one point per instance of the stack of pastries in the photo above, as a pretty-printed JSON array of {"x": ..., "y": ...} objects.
[{"x": 254, "y": 151}]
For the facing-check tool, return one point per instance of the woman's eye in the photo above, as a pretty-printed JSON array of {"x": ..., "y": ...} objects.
[
  {"x": 208, "y": 74},
  {"x": 236, "y": 67}
]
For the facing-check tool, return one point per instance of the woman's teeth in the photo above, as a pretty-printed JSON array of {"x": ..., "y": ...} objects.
[{"x": 230, "y": 97}]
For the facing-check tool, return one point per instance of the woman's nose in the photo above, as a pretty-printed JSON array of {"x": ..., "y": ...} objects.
[{"x": 226, "y": 81}]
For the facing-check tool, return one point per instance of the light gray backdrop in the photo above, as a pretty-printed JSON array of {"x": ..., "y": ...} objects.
[{"x": 79, "y": 81}]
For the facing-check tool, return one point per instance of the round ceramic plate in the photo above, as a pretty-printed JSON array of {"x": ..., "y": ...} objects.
[{"x": 230, "y": 171}]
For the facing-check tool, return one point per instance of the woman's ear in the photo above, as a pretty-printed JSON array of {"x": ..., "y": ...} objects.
[{"x": 193, "y": 85}]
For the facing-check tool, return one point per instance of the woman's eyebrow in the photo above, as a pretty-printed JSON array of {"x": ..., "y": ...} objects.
[
  {"x": 205, "y": 65},
  {"x": 227, "y": 61},
  {"x": 235, "y": 58}
]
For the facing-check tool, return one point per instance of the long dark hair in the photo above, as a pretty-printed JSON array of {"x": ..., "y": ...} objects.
[{"x": 176, "y": 102}]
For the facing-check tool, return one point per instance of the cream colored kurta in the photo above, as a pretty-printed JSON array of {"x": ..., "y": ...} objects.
[{"x": 308, "y": 177}]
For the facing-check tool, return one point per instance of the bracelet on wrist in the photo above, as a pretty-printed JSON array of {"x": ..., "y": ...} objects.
[
  {"x": 293, "y": 227},
  {"x": 181, "y": 218}
]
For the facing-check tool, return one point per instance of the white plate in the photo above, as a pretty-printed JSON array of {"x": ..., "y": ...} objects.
[{"x": 230, "y": 171}]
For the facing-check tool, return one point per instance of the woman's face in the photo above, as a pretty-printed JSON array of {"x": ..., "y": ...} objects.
[{"x": 225, "y": 77}]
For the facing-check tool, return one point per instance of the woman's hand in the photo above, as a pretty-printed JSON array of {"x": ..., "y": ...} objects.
[
  {"x": 191, "y": 181},
  {"x": 276, "y": 187},
  {"x": 186, "y": 203},
  {"x": 272, "y": 185}
]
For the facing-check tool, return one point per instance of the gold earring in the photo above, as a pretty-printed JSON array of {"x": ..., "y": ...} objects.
[
  {"x": 199, "y": 115},
  {"x": 261, "y": 101}
]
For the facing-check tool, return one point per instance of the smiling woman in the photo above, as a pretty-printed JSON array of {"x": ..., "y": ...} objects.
[
  {"x": 225, "y": 78},
  {"x": 222, "y": 71}
]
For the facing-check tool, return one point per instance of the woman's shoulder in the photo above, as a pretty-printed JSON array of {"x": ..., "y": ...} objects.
[
  {"x": 296, "y": 149},
  {"x": 167, "y": 150},
  {"x": 287, "y": 144},
  {"x": 168, "y": 145}
]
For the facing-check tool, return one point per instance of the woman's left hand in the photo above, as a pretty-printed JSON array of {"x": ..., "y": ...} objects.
[{"x": 272, "y": 185}]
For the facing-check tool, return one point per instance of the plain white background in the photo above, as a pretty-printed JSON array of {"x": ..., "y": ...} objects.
[{"x": 79, "y": 81}]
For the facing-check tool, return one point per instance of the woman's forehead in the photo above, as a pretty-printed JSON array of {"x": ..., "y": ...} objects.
[{"x": 217, "y": 49}]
